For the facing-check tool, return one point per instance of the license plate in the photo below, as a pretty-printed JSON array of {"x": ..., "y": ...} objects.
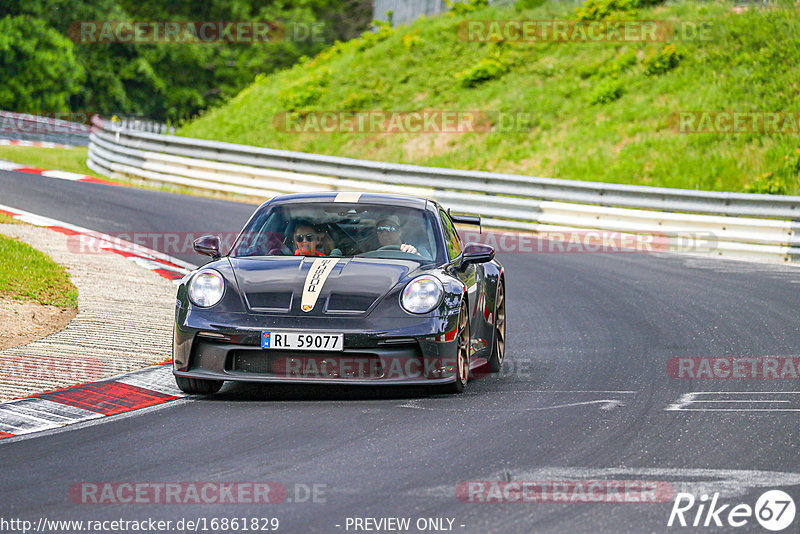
[{"x": 302, "y": 341}]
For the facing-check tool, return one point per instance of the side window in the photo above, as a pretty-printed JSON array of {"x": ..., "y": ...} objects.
[{"x": 450, "y": 236}]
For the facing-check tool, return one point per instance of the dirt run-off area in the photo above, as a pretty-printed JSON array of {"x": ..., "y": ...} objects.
[{"x": 24, "y": 321}]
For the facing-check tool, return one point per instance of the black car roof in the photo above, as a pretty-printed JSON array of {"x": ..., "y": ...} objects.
[{"x": 341, "y": 196}]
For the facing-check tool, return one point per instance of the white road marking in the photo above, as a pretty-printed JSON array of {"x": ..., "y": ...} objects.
[
  {"x": 728, "y": 483},
  {"x": 64, "y": 175},
  {"x": 158, "y": 379},
  {"x": 577, "y": 391},
  {"x": 692, "y": 399},
  {"x": 144, "y": 252},
  {"x": 48, "y": 409},
  {"x": 606, "y": 404},
  {"x": 734, "y": 401},
  {"x": 26, "y": 416}
]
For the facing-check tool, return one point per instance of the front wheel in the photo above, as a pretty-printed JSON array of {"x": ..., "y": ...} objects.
[
  {"x": 462, "y": 352},
  {"x": 499, "y": 342},
  {"x": 198, "y": 386}
]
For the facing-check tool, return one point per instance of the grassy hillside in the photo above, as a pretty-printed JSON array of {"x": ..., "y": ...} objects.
[
  {"x": 598, "y": 111},
  {"x": 31, "y": 275}
]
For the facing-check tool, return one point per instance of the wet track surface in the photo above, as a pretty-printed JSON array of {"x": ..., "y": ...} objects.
[{"x": 584, "y": 395}]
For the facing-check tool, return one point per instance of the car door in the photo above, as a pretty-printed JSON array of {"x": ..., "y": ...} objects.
[{"x": 469, "y": 276}]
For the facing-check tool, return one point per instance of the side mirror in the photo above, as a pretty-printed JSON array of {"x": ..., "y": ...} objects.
[
  {"x": 477, "y": 253},
  {"x": 208, "y": 245}
]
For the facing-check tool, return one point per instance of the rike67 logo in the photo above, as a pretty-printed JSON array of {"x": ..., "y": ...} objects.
[{"x": 774, "y": 510}]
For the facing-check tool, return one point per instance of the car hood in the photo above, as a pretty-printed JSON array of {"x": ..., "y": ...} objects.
[{"x": 308, "y": 286}]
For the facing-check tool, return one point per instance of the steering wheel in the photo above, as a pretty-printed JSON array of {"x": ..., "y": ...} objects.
[{"x": 390, "y": 247}]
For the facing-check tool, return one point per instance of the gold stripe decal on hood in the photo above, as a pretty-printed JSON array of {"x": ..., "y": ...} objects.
[
  {"x": 347, "y": 197},
  {"x": 317, "y": 275}
]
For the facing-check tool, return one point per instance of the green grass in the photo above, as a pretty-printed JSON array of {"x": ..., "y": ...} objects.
[
  {"x": 62, "y": 159},
  {"x": 27, "y": 274},
  {"x": 598, "y": 111},
  {"x": 5, "y": 219},
  {"x": 74, "y": 160}
]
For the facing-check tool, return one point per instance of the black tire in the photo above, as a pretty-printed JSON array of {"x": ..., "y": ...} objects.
[
  {"x": 198, "y": 386},
  {"x": 462, "y": 353},
  {"x": 499, "y": 338}
]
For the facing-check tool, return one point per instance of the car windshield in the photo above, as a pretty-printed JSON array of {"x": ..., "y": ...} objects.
[{"x": 340, "y": 230}]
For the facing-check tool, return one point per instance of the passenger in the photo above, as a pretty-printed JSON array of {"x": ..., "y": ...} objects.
[
  {"x": 325, "y": 242},
  {"x": 306, "y": 238},
  {"x": 391, "y": 234}
]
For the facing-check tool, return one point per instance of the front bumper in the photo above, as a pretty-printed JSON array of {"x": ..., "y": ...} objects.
[{"x": 388, "y": 351}]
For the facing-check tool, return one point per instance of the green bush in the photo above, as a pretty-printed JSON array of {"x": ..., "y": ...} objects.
[
  {"x": 606, "y": 92},
  {"x": 767, "y": 184},
  {"x": 587, "y": 70},
  {"x": 370, "y": 39},
  {"x": 660, "y": 62},
  {"x": 602, "y": 9},
  {"x": 486, "y": 69},
  {"x": 614, "y": 68},
  {"x": 465, "y": 6},
  {"x": 791, "y": 163},
  {"x": 623, "y": 61},
  {"x": 308, "y": 91},
  {"x": 356, "y": 101},
  {"x": 412, "y": 40},
  {"x": 521, "y": 5}
]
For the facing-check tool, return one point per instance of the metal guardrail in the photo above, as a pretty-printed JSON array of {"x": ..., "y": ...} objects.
[
  {"x": 145, "y": 125},
  {"x": 739, "y": 224}
]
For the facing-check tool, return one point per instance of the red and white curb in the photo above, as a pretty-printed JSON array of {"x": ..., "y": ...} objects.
[
  {"x": 61, "y": 175},
  {"x": 163, "y": 264},
  {"x": 84, "y": 402},
  {"x": 75, "y": 404},
  {"x": 24, "y": 142}
]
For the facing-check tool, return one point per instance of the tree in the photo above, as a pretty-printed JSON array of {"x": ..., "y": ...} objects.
[
  {"x": 37, "y": 66},
  {"x": 175, "y": 81}
]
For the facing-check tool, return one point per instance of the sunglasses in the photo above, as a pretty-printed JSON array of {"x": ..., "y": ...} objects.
[
  {"x": 307, "y": 237},
  {"x": 388, "y": 228}
]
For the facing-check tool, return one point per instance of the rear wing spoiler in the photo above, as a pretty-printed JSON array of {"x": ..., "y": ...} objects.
[{"x": 467, "y": 219}]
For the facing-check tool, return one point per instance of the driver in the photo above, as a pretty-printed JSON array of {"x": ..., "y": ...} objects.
[
  {"x": 391, "y": 234},
  {"x": 306, "y": 239}
]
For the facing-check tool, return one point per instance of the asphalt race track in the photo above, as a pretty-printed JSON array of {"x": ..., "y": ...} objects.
[{"x": 584, "y": 395}]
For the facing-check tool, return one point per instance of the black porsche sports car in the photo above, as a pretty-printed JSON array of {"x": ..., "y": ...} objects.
[{"x": 347, "y": 288}]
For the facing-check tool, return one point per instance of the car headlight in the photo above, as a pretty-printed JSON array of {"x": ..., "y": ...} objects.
[
  {"x": 422, "y": 294},
  {"x": 206, "y": 288}
]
